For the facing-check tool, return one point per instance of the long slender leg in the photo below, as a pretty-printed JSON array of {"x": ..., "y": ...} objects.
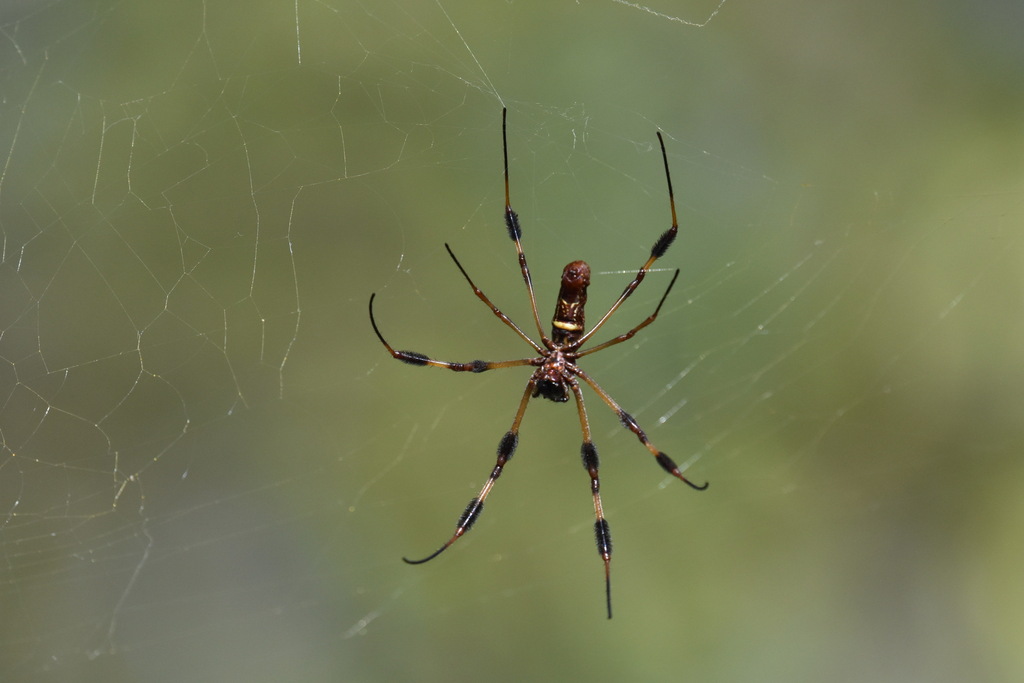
[
  {"x": 494, "y": 309},
  {"x": 629, "y": 335},
  {"x": 661, "y": 245},
  {"x": 631, "y": 424},
  {"x": 415, "y": 358},
  {"x": 602, "y": 534},
  {"x": 515, "y": 232},
  {"x": 506, "y": 448}
]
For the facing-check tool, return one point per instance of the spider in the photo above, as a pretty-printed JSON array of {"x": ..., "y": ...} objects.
[{"x": 557, "y": 373}]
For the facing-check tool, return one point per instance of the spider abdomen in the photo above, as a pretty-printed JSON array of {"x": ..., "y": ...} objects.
[{"x": 567, "y": 324}]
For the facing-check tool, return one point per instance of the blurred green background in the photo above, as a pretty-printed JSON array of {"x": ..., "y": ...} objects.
[{"x": 211, "y": 468}]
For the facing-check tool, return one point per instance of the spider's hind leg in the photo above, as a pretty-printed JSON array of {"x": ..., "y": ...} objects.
[
  {"x": 506, "y": 448},
  {"x": 630, "y": 423},
  {"x": 602, "y": 534}
]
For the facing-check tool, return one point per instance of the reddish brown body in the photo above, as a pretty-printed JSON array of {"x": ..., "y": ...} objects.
[
  {"x": 567, "y": 325},
  {"x": 554, "y": 377}
]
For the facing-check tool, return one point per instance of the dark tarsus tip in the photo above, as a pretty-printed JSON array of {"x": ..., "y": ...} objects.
[
  {"x": 371, "y": 314},
  {"x": 604, "y": 546},
  {"x": 668, "y": 177},
  {"x": 511, "y": 218},
  {"x": 670, "y": 466},
  {"x": 428, "y": 558},
  {"x": 466, "y": 520},
  {"x": 410, "y": 357},
  {"x": 667, "y": 237}
]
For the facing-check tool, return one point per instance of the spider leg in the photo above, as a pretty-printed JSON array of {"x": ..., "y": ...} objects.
[
  {"x": 515, "y": 232},
  {"x": 415, "y": 358},
  {"x": 629, "y": 335},
  {"x": 602, "y": 534},
  {"x": 494, "y": 309},
  {"x": 630, "y": 423},
  {"x": 661, "y": 245},
  {"x": 506, "y": 448}
]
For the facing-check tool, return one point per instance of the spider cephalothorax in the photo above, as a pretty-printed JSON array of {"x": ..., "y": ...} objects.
[{"x": 556, "y": 374}]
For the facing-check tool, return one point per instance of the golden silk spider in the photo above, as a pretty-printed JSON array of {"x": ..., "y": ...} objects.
[{"x": 556, "y": 373}]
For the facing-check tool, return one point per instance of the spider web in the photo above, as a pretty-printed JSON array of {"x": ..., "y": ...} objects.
[{"x": 210, "y": 468}]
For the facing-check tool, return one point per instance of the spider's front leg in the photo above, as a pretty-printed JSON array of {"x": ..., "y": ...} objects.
[{"x": 415, "y": 358}]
